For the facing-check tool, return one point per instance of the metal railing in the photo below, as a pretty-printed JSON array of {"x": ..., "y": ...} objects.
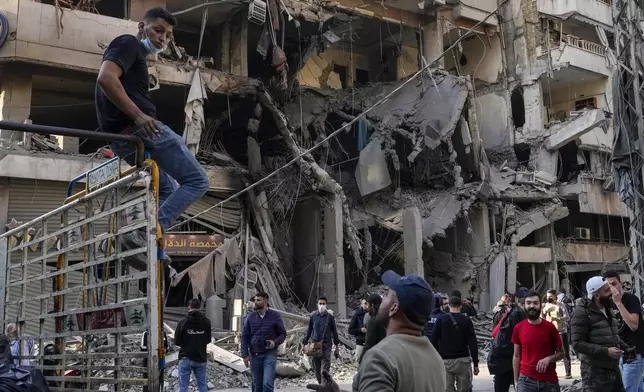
[{"x": 80, "y": 288}]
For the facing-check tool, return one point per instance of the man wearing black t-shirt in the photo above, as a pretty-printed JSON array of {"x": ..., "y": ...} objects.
[
  {"x": 629, "y": 314},
  {"x": 123, "y": 105},
  {"x": 455, "y": 339}
]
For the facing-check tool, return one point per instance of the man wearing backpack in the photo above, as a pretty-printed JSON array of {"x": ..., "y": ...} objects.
[
  {"x": 502, "y": 350},
  {"x": 455, "y": 339},
  {"x": 596, "y": 339},
  {"x": 628, "y": 312}
]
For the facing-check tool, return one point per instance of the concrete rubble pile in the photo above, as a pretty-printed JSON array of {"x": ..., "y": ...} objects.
[
  {"x": 483, "y": 327},
  {"x": 576, "y": 386}
]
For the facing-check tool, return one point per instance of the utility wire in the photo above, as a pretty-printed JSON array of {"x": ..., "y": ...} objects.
[{"x": 345, "y": 126}]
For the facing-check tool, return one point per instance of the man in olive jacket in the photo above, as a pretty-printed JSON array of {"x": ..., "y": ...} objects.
[{"x": 596, "y": 339}]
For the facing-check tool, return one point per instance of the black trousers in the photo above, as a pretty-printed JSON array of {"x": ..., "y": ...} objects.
[
  {"x": 322, "y": 363},
  {"x": 566, "y": 347},
  {"x": 503, "y": 381}
]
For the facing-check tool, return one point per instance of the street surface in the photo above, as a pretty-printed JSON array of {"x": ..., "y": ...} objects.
[{"x": 482, "y": 382}]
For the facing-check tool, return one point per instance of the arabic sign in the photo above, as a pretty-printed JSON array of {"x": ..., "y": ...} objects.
[
  {"x": 191, "y": 245},
  {"x": 103, "y": 173}
]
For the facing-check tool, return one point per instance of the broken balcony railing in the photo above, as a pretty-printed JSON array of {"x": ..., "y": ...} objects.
[{"x": 583, "y": 44}]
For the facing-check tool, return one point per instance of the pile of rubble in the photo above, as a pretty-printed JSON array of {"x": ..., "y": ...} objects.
[
  {"x": 483, "y": 326},
  {"x": 576, "y": 386}
]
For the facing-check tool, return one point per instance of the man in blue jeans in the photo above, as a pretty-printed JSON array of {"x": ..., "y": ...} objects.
[
  {"x": 262, "y": 333},
  {"x": 123, "y": 105},
  {"x": 193, "y": 334},
  {"x": 628, "y": 312}
]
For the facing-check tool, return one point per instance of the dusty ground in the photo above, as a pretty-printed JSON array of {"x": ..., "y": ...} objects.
[{"x": 482, "y": 383}]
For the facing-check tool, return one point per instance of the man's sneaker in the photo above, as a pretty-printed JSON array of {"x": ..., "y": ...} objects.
[{"x": 568, "y": 377}]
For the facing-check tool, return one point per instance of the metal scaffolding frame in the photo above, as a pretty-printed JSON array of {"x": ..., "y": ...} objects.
[
  {"x": 26, "y": 279},
  {"x": 628, "y": 147}
]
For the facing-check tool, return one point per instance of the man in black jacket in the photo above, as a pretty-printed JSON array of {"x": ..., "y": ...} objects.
[
  {"x": 455, "y": 339},
  {"x": 628, "y": 313},
  {"x": 193, "y": 334},
  {"x": 357, "y": 328},
  {"x": 376, "y": 328},
  {"x": 467, "y": 308},
  {"x": 596, "y": 339},
  {"x": 499, "y": 360}
]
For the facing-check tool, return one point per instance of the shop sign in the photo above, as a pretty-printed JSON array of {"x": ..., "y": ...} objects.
[{"x": 191, "y": 245}]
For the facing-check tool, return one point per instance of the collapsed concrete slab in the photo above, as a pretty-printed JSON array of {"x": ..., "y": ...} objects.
[
  {"x": 534, "y": 219},
  {"x": 562, "y": 134},
  {"x": 438, "y": 210},
  {"x": 371, "y": 173},
  {"x": 431, "y": 108}
]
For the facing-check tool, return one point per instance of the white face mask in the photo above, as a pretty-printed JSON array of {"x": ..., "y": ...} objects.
[
  {"x": 322, "y": 308},
  {"x": 149, "y": 46}
]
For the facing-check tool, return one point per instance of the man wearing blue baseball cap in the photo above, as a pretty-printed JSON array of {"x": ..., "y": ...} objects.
[{"x": 393, "y": 365}]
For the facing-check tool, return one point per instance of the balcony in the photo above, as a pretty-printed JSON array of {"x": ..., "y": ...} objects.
[
  {"x": 575, "y": 52},
  {"x": 594, "y": 10},
  {"x": 592, "y": 252}
]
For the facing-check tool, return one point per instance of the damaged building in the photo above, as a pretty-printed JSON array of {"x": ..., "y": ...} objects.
[{"x": 487, "y": 171}]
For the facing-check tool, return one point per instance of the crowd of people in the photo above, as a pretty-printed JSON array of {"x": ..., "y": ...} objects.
[{"x": 411, "y": 325}]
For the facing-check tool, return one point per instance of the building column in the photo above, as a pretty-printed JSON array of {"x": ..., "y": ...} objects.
[
  {"x": 332, "y": 273},
  {"x": 4, "y": 203},
  {"x": 413, "y": 242},
  {"x": 534, "y": 110},
  {"x": 239, "y": 45},
  {"x": 546, "y": 235},
  {"x": 15, "y": 99},
  {"x": 138, "y": 8},
  {"x": 433, "y": 43},
  {"x": 544, "y": 160},
  {"x": 480, "y": 245}
]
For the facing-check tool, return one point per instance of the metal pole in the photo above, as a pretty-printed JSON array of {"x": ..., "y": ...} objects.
[
  {"x": 246, "y": 261},
  {"x": 82, "y": 133}
]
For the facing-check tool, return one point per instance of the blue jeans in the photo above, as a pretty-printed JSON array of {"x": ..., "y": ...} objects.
[
  {"x": 527, "y": 384},
  {"x": 186, "y": 366},
  {"x": 262, "y": 367},
  {"x": 176, "y": 162},
  {"x": 633, "y": 374}
]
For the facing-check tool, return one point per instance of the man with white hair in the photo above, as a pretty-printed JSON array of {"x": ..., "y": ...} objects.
[{"x": 596, "y": 339}]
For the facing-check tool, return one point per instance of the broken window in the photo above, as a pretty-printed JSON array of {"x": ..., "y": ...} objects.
[
  {"x": 518, "y": 107},
  {"x": 362, "y": 77},
  {"x": 570, "y": 162},
  {"x": 522, "y": 152},
  {"x": 587, "y": 103},
  {"x": 342, "y": 71}
]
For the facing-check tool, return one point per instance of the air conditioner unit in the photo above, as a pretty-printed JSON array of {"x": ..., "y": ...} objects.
[
  {"x": 582, "y": 233},
  {"x": 257, "y": 12}
]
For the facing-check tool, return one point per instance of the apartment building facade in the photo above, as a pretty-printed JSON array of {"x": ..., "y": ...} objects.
[{"x": 539, "y": 81}]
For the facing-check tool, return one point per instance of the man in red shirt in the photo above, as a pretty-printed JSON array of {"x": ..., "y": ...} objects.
[{"x": 537, "y": 348}]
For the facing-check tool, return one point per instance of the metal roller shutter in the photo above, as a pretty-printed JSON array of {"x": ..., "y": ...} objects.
[{"x": 29, "y": 199}]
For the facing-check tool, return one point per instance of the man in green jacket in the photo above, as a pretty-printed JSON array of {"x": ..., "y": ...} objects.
[{"x": 596, "y": 339}]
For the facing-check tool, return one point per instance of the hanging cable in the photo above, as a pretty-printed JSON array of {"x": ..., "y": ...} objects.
[{"x": 344, "y": 126}]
